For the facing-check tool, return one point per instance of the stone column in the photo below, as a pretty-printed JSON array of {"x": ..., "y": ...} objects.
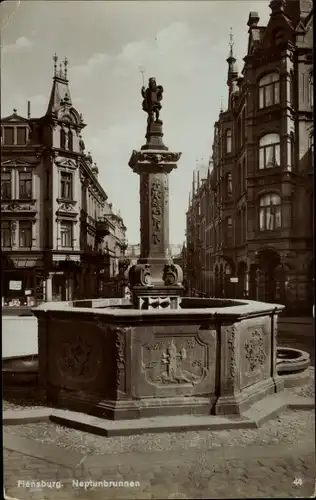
[
  {"x": 155, "y": 278},
  {"x": 49, "y": 288}
]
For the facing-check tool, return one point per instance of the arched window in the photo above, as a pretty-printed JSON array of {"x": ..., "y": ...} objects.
[
  {"x": 269, "y": 90},
  {"x": 70, "y": 140},
  {"x": 62, "y": 139},
  {"x": 269, "y": 151},
  {"x": 270, "y": 212},
  {"x": 229, "y": 184},
  {"x": 228, "y": 141}
]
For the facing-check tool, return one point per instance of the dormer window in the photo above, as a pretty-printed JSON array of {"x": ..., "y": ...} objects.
[
  {"x": 21, "y": 136},
  {"x": 8, "y": 136},
  {"x": 269, "y": 90}
]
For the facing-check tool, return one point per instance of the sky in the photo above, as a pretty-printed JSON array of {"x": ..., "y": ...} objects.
[{"x": 184, "y": 44}]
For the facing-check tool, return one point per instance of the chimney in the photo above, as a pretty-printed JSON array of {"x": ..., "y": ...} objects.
[{"x": 28, "y": 110}]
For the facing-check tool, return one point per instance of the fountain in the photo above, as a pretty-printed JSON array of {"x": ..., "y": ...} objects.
[{"x": 160, "y": 353}]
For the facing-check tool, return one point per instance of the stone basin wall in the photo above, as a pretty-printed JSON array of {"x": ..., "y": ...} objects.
[{"x": 106, "y": 359}]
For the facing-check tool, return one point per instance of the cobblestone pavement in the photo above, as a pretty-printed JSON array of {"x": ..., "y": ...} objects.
[
  {"x": 277, "y": 461},
  {"x": 189, "y": 475},
  {"x": 289, "y": 428}
]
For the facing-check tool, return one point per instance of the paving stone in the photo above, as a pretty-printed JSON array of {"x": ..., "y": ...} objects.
[{"x": 253, "y": 471}]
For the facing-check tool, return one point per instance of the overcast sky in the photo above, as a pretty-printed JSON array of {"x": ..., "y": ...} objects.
[{"x": 183, "y": 44}]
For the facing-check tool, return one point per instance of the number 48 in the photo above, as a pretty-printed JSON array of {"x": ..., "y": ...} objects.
[{"x": 297, "y": 481}]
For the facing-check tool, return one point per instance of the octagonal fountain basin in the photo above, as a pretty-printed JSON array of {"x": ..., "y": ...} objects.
[
  {"x": 209, "y": 356},
  {"x": 290, "y": 360}
]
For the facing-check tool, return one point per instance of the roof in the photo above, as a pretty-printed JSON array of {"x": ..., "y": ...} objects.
[{"x": 14, "y": 118}]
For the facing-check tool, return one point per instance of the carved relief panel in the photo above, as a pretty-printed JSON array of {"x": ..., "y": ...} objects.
[
  {"x": 256, "y": 351},
  {"x": 173, "y": 361},
  {"x": 76, "y": 358},
  {"x": 144, "y": 214},
  {"x": 157, "y": 207},
  {"x": 230, "y": 355},
  {"x": 159, "y": 199}
]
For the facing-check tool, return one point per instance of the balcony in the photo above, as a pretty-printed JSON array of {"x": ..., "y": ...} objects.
[{"x": 102, "y": 228}]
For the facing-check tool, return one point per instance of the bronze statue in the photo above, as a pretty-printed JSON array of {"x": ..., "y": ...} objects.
[{"x": 152, "y": 100}]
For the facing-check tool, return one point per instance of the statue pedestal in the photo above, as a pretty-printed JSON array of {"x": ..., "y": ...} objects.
[{"x": 155, "y": 278}]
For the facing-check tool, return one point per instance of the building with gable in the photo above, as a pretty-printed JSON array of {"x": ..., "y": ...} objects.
[
  {"x": 60, "y": 238},
  {"x": 250, "y": 222}
]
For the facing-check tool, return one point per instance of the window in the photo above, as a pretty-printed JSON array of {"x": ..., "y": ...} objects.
[
  {"x": 25, "y": 233},
  {"x": 6, "y": 186},
  {"x": 21, "y": 135},
  {"x": 62, "y": 139},
  {"x": 66, "y": 234},
  {"x": 291, "y": 159},
  {"x": 8, "y": 138},
  {"x": 269, "y": 151},
  {"x": 229, "y": 184},
  {"x": 238, "y": 227},
  {"x": 243, "y": 230},
  {"x": 243, "y": 176},
  {"x": 269, "y": 90},
  {"x": 25, "y": 185},
  {"x": 240, "y": 131},
  {"x": 47, "y": 185},
  {"x": 229, "y": 228},
  {"x": 243, "y": 128},
  {"x": 292, "y": 88},
  {"x": 310, "y": 89},
  {"x": 228, "y": 141},
  {"x": 6, "y": 233},
  {"x": 70, "y": 141},
  {"x": 66, "y": 186},
  {"x": 270, "y": 212}
]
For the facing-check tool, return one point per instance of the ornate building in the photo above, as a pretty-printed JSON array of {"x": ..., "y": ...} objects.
[
  {"x": 60, "y": 238},
  {"x": 250, "y": 222}
]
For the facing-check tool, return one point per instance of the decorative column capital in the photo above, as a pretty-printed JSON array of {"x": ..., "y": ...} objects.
[{"x": 153, "y": 161}]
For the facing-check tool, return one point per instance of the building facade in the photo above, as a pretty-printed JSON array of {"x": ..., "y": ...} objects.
[
  {"x": 60, "y": 238},
  {"x": 250, "y": 222}
]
